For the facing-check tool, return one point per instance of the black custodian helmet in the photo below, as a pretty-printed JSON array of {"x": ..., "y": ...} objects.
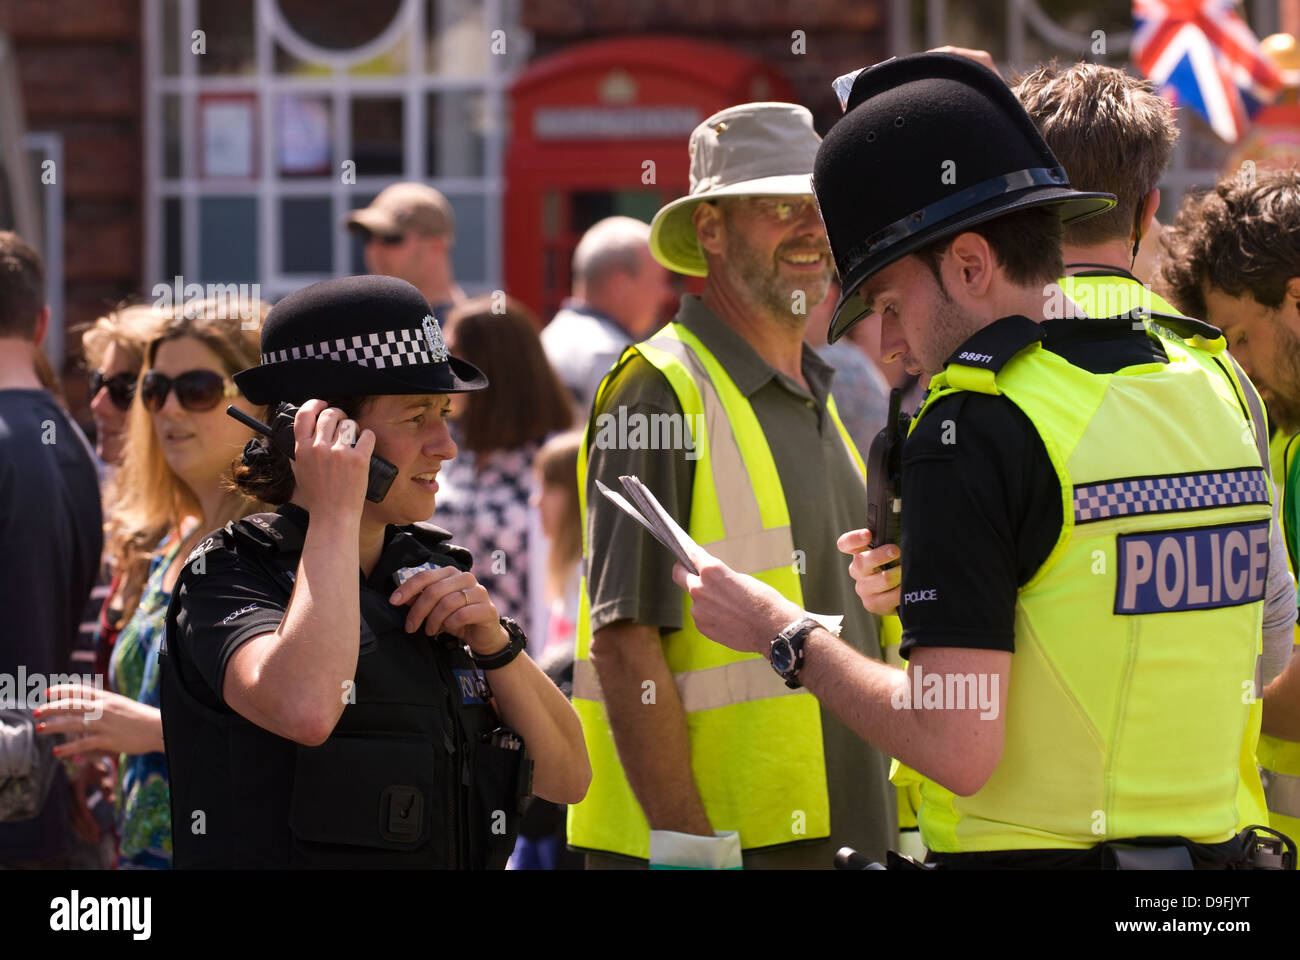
[{"x": 930, "y": 145}]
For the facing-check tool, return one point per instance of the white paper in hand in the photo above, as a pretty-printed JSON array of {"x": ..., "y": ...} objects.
[
  {"x": 650, "y": 513},
  {"x": 831, "y": 621}
]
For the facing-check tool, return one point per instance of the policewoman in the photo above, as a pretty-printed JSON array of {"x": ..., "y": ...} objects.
[
  {"x": 1081, "y": 578},
  {"x": 337, "y": 688}
]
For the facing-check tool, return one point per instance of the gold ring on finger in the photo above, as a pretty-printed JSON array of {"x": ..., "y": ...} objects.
[{"x": 464, "y": 591}]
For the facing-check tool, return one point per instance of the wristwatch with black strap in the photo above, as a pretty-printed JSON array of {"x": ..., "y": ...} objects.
[
  {"x": 787, "y": 650},
  {"x": 518, "y": 643}
]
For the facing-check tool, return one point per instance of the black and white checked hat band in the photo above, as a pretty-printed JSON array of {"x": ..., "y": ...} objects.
[{"x": 390, "y": 348}]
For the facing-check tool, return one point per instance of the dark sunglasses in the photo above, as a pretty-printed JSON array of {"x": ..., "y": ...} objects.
[
  {"x": 387, "y": 240},
  {"x": 197, "y": 390},
  {"x": 121, "y": 387}
]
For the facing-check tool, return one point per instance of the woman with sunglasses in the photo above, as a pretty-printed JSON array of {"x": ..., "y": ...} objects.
[
  {"x": 337, "y": 660},
  {"x": 114, "y": 348},
  {"x": 174, "y": 483}
]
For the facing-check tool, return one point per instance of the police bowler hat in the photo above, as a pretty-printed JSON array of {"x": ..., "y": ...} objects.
[
  {"x": 355, "y": 336},
  {"x": 930, "y": 145}
]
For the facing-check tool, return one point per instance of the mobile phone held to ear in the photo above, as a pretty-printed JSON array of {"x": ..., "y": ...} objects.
[
  {"x": 885, "y": 476},
  {"x": 382, "y": 473}
]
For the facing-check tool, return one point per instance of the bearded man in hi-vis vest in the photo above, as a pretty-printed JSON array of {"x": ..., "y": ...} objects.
[
  {"x": 701, "y": 756},
  {"x": 1082, "y": 578}
]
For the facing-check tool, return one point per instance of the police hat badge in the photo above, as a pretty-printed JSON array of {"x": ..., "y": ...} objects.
[{"x": 433, "y": 337}]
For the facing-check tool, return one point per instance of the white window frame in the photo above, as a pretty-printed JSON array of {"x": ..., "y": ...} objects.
[{"x": 268, "y": 188}]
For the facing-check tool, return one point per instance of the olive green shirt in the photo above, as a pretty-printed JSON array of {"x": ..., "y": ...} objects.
[{"x": 630, "y": 573}]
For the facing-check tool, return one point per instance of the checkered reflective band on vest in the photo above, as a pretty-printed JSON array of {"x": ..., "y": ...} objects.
[
  {"x": 1131, "y": 710},
  {"x": 756, "y": 745},
  {"x": 1100, "y": 501}
]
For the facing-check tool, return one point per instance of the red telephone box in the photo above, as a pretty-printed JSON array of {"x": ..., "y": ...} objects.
[{"x": 601, "y": 129}]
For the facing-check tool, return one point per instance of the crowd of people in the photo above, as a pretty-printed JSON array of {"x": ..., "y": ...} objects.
[{"x": 173, "y": 558}]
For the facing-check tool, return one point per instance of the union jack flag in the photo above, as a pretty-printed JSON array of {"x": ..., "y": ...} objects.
[{"x": 1202, "y": 55}]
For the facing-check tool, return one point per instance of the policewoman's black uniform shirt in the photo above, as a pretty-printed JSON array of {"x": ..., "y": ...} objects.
[
  {"x": 411, "y": 775},
  {"x": 981, "y": 501}
]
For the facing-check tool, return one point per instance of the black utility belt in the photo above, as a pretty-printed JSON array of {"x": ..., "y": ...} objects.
[{"x": 1255, "y": 848}]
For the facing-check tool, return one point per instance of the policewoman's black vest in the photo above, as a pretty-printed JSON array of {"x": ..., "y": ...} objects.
[{"x": 417, "y": 773}]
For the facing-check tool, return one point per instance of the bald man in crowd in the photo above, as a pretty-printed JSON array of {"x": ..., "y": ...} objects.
[{"x": 618, "y": 291}]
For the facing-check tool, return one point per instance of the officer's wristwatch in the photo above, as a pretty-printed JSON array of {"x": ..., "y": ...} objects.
[
  {"x": 518, "y": 643},
  {"x": 787, "y": 650}
]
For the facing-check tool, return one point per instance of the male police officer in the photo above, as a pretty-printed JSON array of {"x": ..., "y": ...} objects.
[{"x": 1112, "y": 561}]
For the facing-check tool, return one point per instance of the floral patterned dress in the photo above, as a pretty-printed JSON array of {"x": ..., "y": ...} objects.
[{"x": 144, "y": 825}]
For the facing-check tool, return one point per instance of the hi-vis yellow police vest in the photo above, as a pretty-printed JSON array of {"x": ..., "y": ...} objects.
[
  {"x": 1137, "y": 640},
  {"x": 756, "y": 745},
  {"x": 1279, "y": 760},
  {"x": 1118, "y": 295}
]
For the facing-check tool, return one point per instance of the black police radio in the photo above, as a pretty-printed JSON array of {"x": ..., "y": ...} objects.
[
  {"x": 382, "y": 473},
  {"x": 885, "y": 476}
]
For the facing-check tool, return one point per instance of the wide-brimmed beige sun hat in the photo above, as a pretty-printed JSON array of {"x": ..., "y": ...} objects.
[{"x": 754, "y": 149}]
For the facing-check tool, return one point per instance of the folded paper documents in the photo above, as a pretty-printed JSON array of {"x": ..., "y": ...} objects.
[{"x": 650, "y": 513}]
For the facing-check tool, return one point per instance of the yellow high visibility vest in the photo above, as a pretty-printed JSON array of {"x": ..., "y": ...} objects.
[
  {"x": 1117, "y": 295},
  {"x": 1137, "y": 641},
  {"x": 756, "y": 745}
]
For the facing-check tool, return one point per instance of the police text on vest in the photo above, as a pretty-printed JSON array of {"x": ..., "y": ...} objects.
[{"x": 1192, "y": 569}]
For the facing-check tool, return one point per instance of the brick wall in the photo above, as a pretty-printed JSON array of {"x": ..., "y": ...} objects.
[
  {"x": 80, "y": 72},
  {"x": 840, "y": 35}
]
